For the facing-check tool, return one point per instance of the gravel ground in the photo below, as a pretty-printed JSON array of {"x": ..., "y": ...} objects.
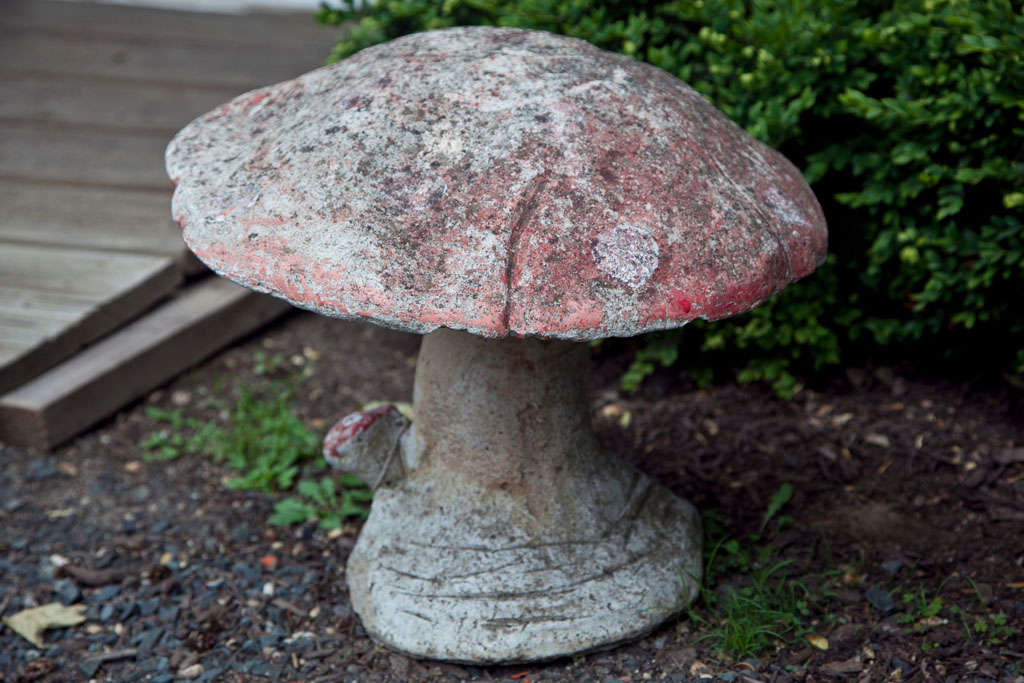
[{"x": 901, "y": 482}]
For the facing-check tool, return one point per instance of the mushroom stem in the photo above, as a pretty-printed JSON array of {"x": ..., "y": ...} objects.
[
  {"x": 509, "y": 416},
  {"x": 514, "y": 535}
]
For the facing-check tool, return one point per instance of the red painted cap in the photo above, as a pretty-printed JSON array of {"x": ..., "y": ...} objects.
[{"x": 501, "y": 181}]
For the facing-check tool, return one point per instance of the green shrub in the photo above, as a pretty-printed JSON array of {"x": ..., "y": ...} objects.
[{"x": 908, "y": 120}]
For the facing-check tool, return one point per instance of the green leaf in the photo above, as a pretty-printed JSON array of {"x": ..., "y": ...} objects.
[{"x": 779, "y": 498}]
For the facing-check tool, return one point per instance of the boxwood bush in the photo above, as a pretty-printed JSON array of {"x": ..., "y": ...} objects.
[{"x": 906, "y": 117}]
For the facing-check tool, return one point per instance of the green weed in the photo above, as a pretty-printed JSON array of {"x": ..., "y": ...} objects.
[
  {"x": 267, "y": 364},
  {"x": 994, "y": 628},
  {"x": 918, "y": 606},
  {"x": 324, "y": 502},
  {"x": 264, "y": 440},
  {"x": 749, "y": 603},
  {"x": 172, "y": 442},
  {"x": 750, "y": 620}
]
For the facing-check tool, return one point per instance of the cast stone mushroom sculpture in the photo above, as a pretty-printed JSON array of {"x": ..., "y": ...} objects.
[{"x": 508, "y": 194}]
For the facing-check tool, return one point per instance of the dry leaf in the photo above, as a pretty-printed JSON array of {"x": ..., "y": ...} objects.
[
  {"x": 401, "y": 406},
  {"x": 880, "y": 440},
  {"x": 820, "y": 642},
  {"x": 30, "y": 623}
]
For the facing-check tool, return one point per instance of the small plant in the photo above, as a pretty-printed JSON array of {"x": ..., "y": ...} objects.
[
  {"x": 994, "y": 628},
  {"x": 750, "y": 620},
  {"x": 324, "y": 502},
  {"x": 749, "y": 602},
  {"x": 171, "y": 442},
  {"x": 919, "y": 606},
  {"x": 264, "y": 439},
  {"x": 266, "y": 364},
  {"x": 778, "y": 500},
  {"x": 268, "y": 444}
]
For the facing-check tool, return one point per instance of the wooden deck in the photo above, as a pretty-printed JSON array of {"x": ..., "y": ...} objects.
[{"x": 89, "y": 97}]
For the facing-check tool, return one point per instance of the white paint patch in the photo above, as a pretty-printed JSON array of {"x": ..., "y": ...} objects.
[
  {"x": 236, "y": 201},
  {"x": 628, "y": 254},
  {"x": 784, "y": 208}
]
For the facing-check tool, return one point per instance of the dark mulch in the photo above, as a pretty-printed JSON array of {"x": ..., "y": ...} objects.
[{"x": 901, "y": 482}]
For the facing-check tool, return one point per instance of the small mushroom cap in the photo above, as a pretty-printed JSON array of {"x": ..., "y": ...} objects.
[{"x": 500, "y": 181}]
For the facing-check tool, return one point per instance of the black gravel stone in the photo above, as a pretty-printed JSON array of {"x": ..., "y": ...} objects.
[
  {"x": 210, "y": 675},
  {"x": 106, "y": 613},
  {"x": 146, "y": 640},
  {"x": 905, "y": 667},
  {"x": 141, "y": 494},
  {"x": 881, "y": 600},
  {"x": 159, "y": 526},
  {"x": 107, "y": 559},
  {"x": 250, "y": 573},
  {"x": 162, "y": 678},
  {"x": 265, "y": 669},
  {"x": 106, "y": 594},
  {"x": 149, "y": 607},
  {"x": 41, "y": 468},
  {"x": 66, "y": 591},
  {"x": 891, "y": 566},
  {"x": 89, "y": 667},
  {"x": 239, "y": 533},
  {"x": 168, "y": 613}
]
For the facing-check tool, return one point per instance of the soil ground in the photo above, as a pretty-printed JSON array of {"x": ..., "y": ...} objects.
[{"x": 908, "y": 492}]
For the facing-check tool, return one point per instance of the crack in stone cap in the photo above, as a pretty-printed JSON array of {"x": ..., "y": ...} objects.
[{"x": 401, "y": 186}]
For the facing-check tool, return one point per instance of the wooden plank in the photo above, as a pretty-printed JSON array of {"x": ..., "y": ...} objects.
[
  {"x": 54, "y": 301},
  {"x": 140, "y": 107},
  {"x": 84, "y": 157},
  {"x": 134, "y": 360},
  {"x": 284, "y": 29},
  {"x": 242, "y": 67},
  {"x": 131, "y": 221}
]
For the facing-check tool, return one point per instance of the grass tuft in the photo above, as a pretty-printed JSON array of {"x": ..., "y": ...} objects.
[
  {"x": 264, "y": 440},
  {"x": 749, "y": 604}
]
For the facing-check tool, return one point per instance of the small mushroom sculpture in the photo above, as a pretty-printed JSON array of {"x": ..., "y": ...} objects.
[{"x": 508, "y": 194}]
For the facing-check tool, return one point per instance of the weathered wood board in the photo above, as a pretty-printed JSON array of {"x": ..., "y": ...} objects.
[
  {"x": 159, "y": 110},
  {"x": 83, "y": 157},
  {"x": 89, "y": 96},
  {"x": 93, "y": 218},
  {"x": 273, "y": 31},
  {"x": 239, "y": 66},
  {"x": 137, "y": 358},
  {"x": 55, "y": 300}
]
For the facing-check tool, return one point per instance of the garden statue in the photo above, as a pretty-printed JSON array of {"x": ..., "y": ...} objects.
[{"x": 510, "y": 195}]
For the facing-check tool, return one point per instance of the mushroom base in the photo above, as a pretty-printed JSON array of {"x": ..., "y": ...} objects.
[{"x": 513, "y": 535}]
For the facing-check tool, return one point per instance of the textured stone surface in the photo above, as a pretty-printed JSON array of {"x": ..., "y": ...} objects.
[
  {"x": 513, "y": 535},
  {"x": 365, "y": 443},
  {"x": 501, "y": 181}
]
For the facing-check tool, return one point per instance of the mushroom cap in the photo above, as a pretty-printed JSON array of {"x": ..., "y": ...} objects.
[{"x": 500, "y": 181}]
